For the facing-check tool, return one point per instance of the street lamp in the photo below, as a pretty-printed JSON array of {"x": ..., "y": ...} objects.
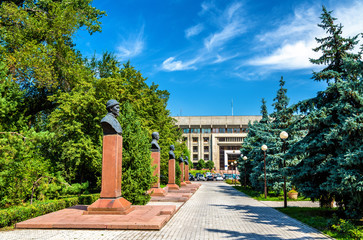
[
  {"x": 264, "y": 148},
  {"x": 235, "y": 167},
  {"x": 284, "y": 135},
  {"x": 232, "y": 170},
  {"x": 245, "y": 159}
]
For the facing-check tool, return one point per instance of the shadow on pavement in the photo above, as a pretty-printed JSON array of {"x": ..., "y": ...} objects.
[
  {"x": 262, "y": 214},
  {"x": 239, "y": 236}
]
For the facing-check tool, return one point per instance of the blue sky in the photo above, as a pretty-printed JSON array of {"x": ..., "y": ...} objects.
[{"x": 210, "y": 53}]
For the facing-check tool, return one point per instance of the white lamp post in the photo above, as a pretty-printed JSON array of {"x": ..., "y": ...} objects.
[
  {"x": 264, "y": 148},
  {"x": 284, "y": 135},
  {"x": 245, "y": 158}
]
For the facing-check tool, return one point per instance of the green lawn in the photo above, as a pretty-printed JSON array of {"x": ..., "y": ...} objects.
[
  {"x": 326, "y": 221},
  {"x": 271, "y": 196}
]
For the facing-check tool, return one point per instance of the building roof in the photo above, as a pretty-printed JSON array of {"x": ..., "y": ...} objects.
[{"x": 215, "y": 121}]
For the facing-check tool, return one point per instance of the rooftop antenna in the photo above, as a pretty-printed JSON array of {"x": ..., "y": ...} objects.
[{"x": 232, "y": 106}]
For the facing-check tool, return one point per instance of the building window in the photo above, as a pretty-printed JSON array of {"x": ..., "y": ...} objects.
[
  {"x": 222, "y": 139},
  {"x": 195, "y": 139},
  {"x": 206, "y": 130},
  {"x": 215, "y": 130},
  {"x": 195, "y": 157},
  {"x": 206, "y": 148},
  {"x": 195, "y": 130},
  {"x": 206, "y": 139},
  {"x": 222, "y": 130},
  {"x": 236, "y": 130},
  {"x": 185, "y": 130},
  {"x": 195, "y": 148},
  {"x": 229, "y": 130},
  {"x": 206, "y": 157}
]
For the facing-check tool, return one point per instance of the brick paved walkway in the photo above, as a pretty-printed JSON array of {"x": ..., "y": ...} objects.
[{"x": 215, "y": 211}]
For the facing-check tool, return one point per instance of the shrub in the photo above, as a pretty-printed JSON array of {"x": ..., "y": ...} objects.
[{"x": 10, "y": 216}]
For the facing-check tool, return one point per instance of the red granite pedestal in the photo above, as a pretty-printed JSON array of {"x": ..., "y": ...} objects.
[
  {"x": 186, "y": 175},
  {"x": 110, "y": 201},
  {"x": 156, "y": 190},
  {"x": 171, "y": 183},
  {"x": 111, "y": 211},
  {"x": 182, "y": 183}
]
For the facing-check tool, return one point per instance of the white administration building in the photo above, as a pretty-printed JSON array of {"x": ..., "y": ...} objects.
[{"x": 216, "y": 138}]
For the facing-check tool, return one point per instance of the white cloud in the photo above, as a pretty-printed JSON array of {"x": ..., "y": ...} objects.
[
  {"x": 294, "y": 40},
  {"x": 289, "y": 56},
  {"x": 171, "y": 65},
  {"x": 221, "y": 59},
  {"x": 131, "y": 47},
  {"x": 193, "y": 31},
  {"x": 229, "y": 25}
]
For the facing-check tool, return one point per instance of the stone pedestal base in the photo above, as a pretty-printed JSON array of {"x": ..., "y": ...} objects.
[
  {"x": 172, "y": 186},
  {"x": 183, "y": 184},
  {"x": 156, "y": 192},
  {"x": 188, "y": 182},
  {"x": 109, "y": 206}
]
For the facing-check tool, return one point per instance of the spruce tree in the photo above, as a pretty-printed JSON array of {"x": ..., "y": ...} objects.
[
  {"x": 259, "y": 134},
  {"x": 331, "y": 151},
  {"x": 136, "y": 158}
]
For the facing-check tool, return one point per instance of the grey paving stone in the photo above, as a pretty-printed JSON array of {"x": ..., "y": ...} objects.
[{"x": 215, "y": 211}]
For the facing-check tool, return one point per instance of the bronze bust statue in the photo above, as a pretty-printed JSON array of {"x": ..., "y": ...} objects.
[
  {"x": 186, "y": 160},
  {"x": 109, "y": 123},
  {"x": 154, "y": 143},
  {"x": 171, "y": 152},
  {"x": 181, "y": 160}
]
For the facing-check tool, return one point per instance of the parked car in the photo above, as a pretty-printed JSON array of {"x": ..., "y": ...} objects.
[
  {"x": 200, "y": 177},
  {"x": 191, "y": 177},
  {"x": 210, "y": 177},
  {"x": 227, "y": 176},
  {"x": 218, "y": 177}
]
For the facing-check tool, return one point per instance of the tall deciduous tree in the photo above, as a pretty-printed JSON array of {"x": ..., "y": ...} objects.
[{"x": 36, "y": 43}]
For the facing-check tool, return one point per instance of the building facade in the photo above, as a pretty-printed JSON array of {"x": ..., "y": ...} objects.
[{"x": 216, "y": 138}]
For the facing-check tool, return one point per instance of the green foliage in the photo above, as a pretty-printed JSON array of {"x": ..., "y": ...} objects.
[
  {"x": 136, "y": 158},
  {"x": 21, "y": 164},
  {"x": 16, "y": 214},
  {"x": 334, "y": 49},
  {"x": 271, "y": 195},
  {"x": 177, "y": 173},
  {"x": 21, "y": 213},
  {"x": 331, "y": 151},
  {"x": 200, "y": 164},
  {"x": 347, "y": 228},
  {"x": 11, "y": 103},
  {"x": 76, "y": 149},
  {"x": 325, "y": 220},
  {"x": 209, "y": 164},
  {"x": 36, "y": 43},
  {"x": 259, "y": 134}
]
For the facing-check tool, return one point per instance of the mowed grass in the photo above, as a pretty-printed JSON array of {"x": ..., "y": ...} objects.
[{"x": 271, "y": 196}]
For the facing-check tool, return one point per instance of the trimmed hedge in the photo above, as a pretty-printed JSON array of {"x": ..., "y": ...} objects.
[{"x": 10, "y": 216}]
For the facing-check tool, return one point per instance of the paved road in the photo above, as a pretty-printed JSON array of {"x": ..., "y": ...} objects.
[{"x": 216, "y": 211}]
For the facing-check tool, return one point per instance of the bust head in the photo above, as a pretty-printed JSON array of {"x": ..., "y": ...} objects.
[
  {"x": 155, "y": 135},
  {"x": 171, "y": 152},
  {"x": 181, "y": 160},
  {"x": 186, "y": 160},
  {"x": 109, "y": 123},
  {"x": 113, "y": 106}
]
